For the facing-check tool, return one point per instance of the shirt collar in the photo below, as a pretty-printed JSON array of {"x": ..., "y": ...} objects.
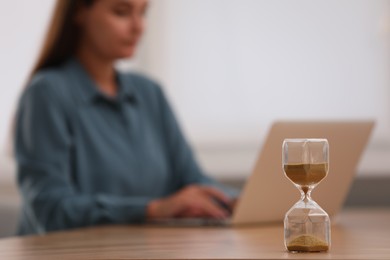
[{"x": 88, "y": 89}]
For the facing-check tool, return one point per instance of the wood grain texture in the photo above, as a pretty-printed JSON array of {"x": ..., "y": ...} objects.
[{"x": 356, "y": 234}]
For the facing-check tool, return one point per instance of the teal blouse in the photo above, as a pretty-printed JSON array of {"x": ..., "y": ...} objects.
[{"x": 84, "y": 158}]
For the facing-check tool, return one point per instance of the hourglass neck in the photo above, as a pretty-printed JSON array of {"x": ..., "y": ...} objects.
[{"x": 306, "y": 193}]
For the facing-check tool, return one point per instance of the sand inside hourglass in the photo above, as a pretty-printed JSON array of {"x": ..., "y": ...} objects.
[
  {"x": 307, "y": 243},
  {"x": 306, "y": 175}
]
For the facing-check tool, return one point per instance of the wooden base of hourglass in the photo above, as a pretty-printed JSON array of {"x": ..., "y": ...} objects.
[{"x": 307, "y": 225}]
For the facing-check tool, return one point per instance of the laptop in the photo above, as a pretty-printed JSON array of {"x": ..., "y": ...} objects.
[{"x": 268, "y": 194}]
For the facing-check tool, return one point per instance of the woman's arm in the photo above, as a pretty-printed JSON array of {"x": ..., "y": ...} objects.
[{"x": 184, "y": 163}]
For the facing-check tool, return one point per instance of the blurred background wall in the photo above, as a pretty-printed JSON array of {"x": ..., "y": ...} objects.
[{"x": 232, "y": 67}]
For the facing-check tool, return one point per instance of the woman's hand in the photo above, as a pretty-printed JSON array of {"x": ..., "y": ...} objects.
[{"x": 191, "y": 201}]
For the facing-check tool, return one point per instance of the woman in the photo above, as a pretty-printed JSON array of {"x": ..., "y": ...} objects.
[{"x": 97, "y": 146}]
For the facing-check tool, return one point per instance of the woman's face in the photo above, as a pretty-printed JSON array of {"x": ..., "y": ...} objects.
[{"x": 112, "y": 28}]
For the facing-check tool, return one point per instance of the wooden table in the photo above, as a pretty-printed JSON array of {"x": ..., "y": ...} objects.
[{"x": 358, "y": 234}]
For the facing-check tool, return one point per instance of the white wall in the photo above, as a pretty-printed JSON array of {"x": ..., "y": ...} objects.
[
  {"x": 22, "y": 25},
  {"x": 231, "y": 67}
]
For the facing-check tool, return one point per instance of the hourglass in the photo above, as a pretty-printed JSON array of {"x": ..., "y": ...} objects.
[{"x": 306, "y": 224}]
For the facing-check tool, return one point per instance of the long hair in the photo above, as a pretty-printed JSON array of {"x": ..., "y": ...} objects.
[
  {"x": 59, "y": 45},
  {"x": 62, "y": 36}
]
